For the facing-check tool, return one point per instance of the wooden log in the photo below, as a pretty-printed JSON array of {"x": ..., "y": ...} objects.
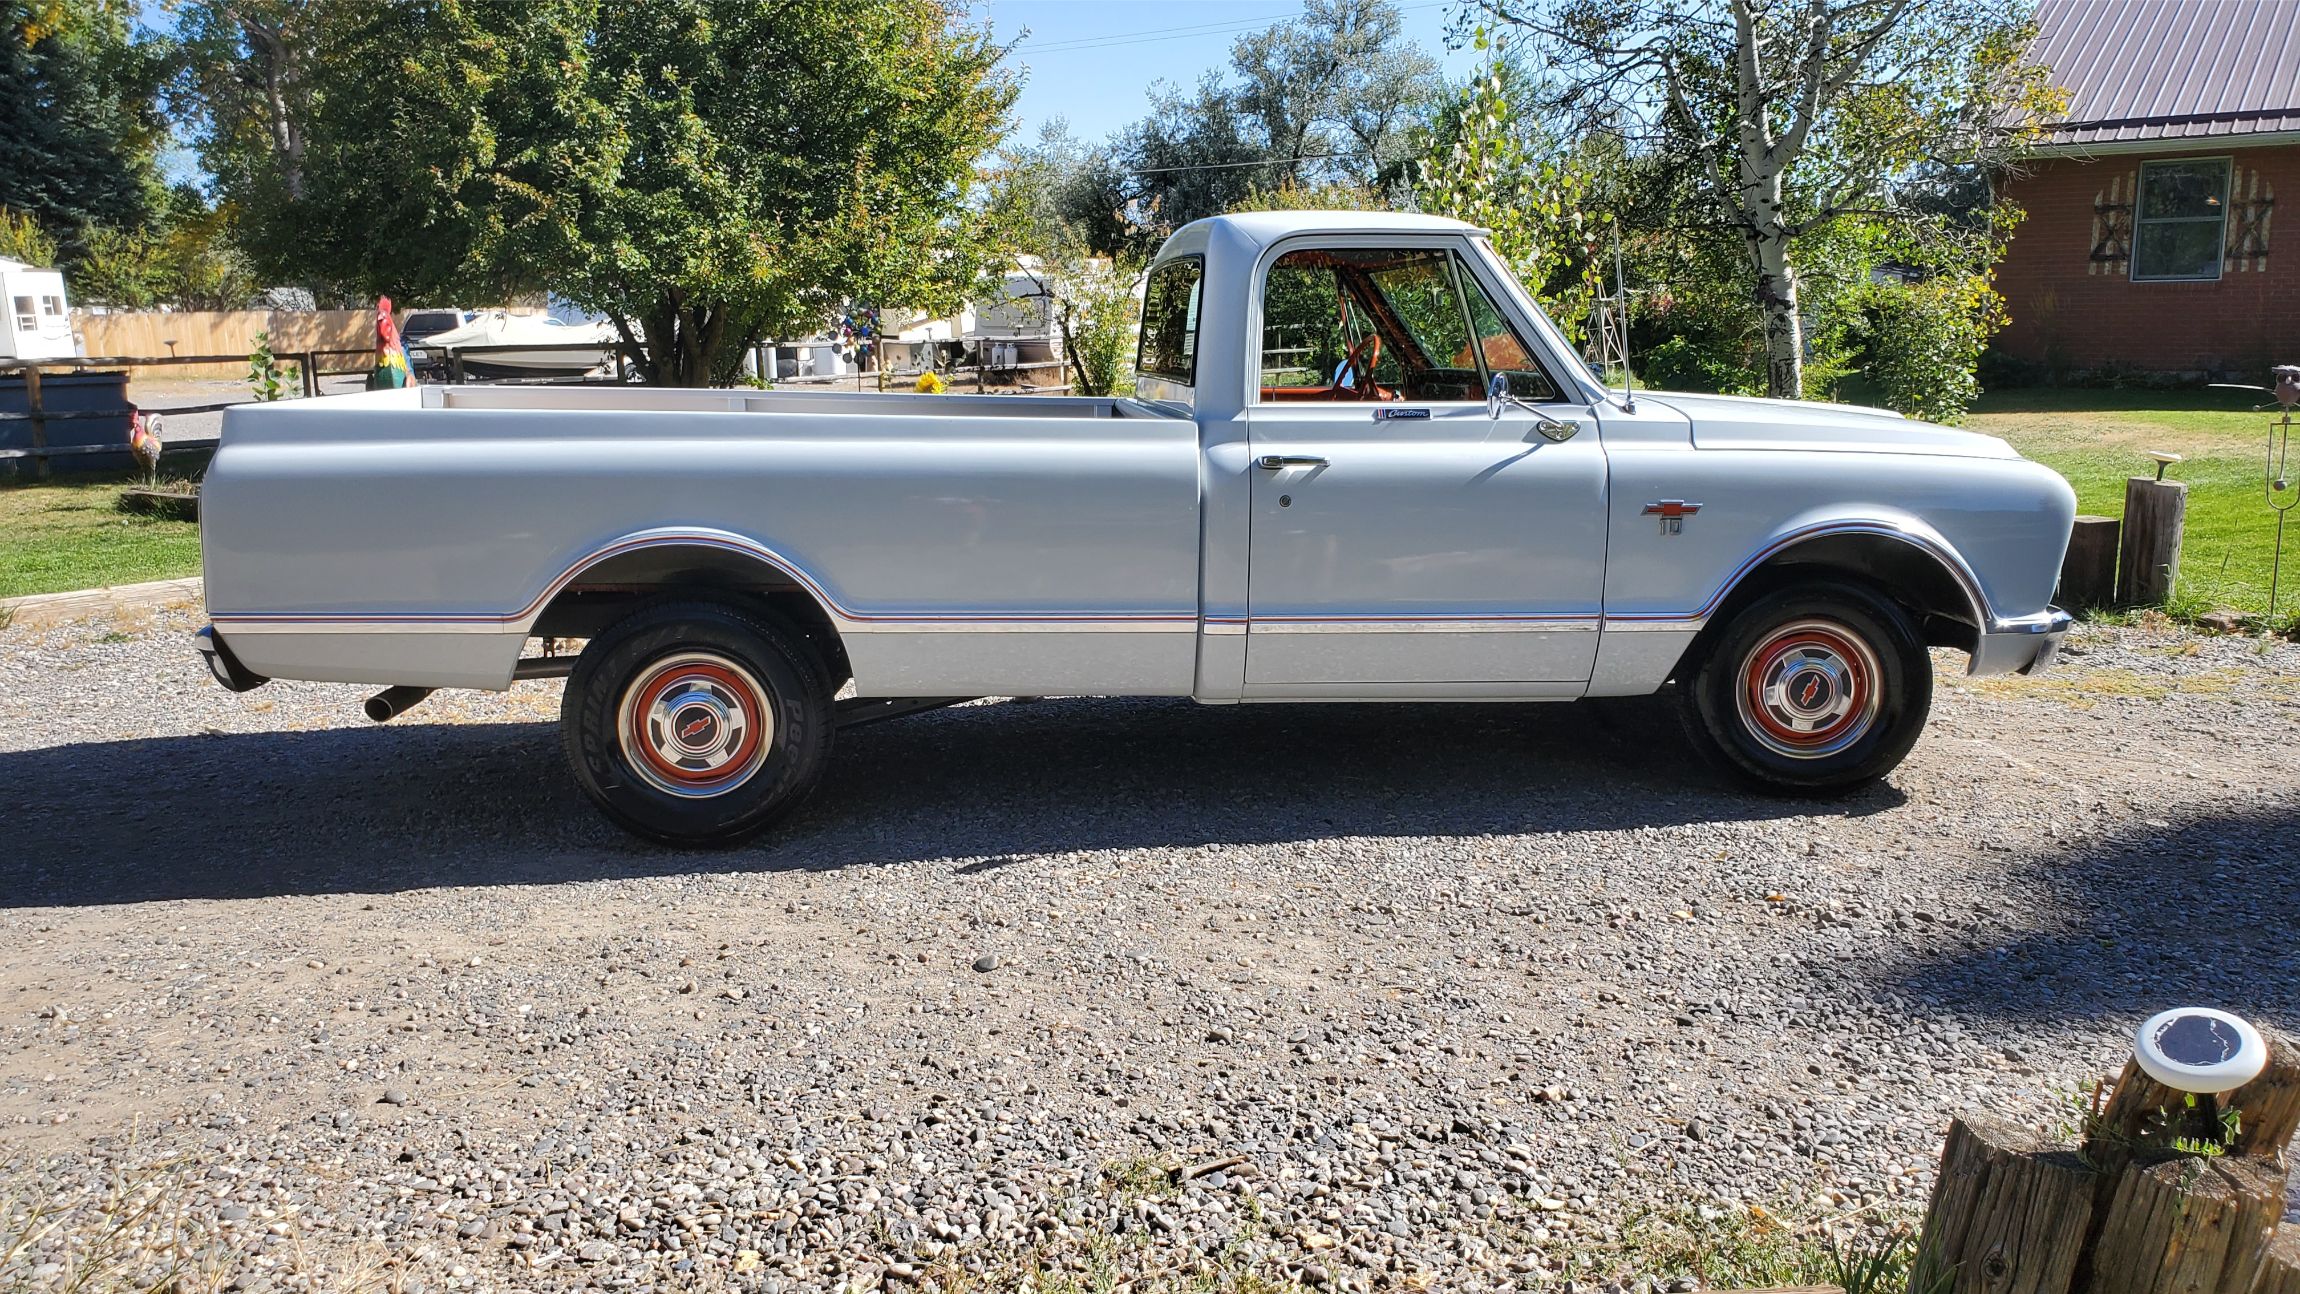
[
  {"x": 2088, "y": 573},
  {"x": 2148, "y": 557},
  {"x": 2187, "y": 1226},
  {"x": 2268, "y": 1105},
  {"x": 2280, "y": 1274},
  {"x": 2008, "y": 1215}
]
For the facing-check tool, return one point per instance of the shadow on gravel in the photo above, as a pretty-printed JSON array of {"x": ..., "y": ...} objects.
[
  {"x": 2203, "y": 909},
  {"x": 415, "y": 805}
]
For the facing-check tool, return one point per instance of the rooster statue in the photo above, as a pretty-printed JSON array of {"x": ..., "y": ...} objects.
[{"x": 144, "y": 443}]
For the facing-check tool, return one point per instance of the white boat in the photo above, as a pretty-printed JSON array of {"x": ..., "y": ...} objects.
[{"x": 554, "y": 343}]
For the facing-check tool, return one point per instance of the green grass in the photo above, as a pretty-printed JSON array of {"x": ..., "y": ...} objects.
[
  {"x": 2097, "y": 438},
  {"x": 64, "y": 535}
]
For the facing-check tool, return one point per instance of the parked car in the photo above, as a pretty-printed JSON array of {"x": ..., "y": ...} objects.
[{"x": 1360, "y": 466}]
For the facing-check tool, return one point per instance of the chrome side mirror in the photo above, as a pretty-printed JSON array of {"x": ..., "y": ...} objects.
[{"x": 1499, "y": 399}]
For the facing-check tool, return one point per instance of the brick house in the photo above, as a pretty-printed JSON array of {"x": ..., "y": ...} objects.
[{"x": 2149, "y": 240}]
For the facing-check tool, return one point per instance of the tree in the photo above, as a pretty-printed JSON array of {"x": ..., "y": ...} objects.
[
  {"x": 1784, "y": 118},
  {"x": 713, "y": 172},
  {"x": 1490, "y": 167},
  {"x": 1334, "y": 97},
  {"x": 79, "y": 119},
  {"x": 1042, "y": 216}
]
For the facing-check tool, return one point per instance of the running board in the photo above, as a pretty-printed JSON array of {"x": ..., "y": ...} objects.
[{"x": 856, "y": 711}]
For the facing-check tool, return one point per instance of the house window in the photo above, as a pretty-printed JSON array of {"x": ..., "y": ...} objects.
[
  {"x": 2182, "y": 221},
  {"x": 25, "y": 318},
  {"x": 51, "y": 305}
]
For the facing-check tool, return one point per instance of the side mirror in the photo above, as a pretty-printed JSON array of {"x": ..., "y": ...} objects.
[{"x": 1499, "y": 399}]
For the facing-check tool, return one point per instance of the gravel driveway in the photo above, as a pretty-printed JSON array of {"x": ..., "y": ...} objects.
[{"x": 1408, "y": 997}]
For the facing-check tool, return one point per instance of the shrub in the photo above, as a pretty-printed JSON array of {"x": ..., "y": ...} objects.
[{"x": 1924, "y": 340}]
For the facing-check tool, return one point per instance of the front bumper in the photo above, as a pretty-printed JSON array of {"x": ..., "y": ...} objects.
[{"x": 2026, "y": 645}]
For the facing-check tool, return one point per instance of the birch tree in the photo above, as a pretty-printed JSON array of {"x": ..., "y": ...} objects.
[{"x": 1784, "y": 117}]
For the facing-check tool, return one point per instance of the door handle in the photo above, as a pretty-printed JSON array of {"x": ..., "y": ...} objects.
[
  {"x": 1277, "y": 462},
  {"x": 1556, "y": 429}
]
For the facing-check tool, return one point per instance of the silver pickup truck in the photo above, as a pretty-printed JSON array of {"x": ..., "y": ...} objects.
[{"x": 1360, "y": 466}]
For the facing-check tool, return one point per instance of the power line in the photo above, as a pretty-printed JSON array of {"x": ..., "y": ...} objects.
[
  {"x": 1184, "y": 33},
  {"x": 1227, "y": 166}
]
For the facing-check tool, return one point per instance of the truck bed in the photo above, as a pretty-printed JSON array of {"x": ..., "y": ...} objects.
[{"x": 420, "y": 536}]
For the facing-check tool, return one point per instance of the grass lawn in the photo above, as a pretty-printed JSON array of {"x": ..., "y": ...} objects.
[
  {"x": 63, "y": 535},
  {"x": 2097, "y": 438}
]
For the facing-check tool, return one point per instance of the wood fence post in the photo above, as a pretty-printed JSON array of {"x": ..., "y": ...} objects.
[
  {"x": 2124, "y": 1213},
  {"x": 39, "y": 418},
  {"x": 2009, "y": 1213},
  {"x": 2088, "y": 573},
  {"x": 310, "y": 374},
  {"x": 2155, "y": 512}
]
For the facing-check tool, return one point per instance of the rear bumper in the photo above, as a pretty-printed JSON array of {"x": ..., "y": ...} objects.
[
  {"x": 223, "y": 664},
  {"x": 2026, "y": 645}
]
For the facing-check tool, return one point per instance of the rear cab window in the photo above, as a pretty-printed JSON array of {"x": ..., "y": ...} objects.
[{"x": 1169, "y": 349}]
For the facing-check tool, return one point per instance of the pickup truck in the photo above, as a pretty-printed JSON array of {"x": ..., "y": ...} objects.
[{"x": 1359, "y": 465}]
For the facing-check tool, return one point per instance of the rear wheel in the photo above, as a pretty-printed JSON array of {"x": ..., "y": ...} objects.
[
  {"x": 1816, "y": 689},
  {"x": 696, "y": 723}
]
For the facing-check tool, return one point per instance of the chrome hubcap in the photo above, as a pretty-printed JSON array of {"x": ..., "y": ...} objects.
[
  {"x": 695, "y": 725},
  {"x": 1810, "y": 689}
]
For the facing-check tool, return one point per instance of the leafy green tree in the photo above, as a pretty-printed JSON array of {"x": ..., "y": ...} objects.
[
  {"x": 23, "y": 239},
  {"x": 1040, "y": 217},
  {"x": 80, "y": 125},
  {"x": 1488, "y": 166},
  {"x": 724, "y": 170},
  {"x": 1334, "y": 97},
  {"x": 1782, "y": 122}
]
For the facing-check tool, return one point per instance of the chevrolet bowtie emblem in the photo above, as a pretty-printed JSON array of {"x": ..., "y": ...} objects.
[{"x": 1673, "y": 513}]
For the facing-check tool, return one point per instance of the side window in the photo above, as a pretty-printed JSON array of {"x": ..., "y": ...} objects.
[
  {"x": 1170, "y": 321},
  {"x": 1384, "y": 324},
  {"x": 25, "y": 318}
]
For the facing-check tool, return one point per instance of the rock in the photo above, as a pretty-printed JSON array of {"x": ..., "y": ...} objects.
[
  {"x": 233, "y": 1213},
  {"x": 596, "y": 1251},
  {"x": 987, "y": 963},
  {"x": 394, "y": 1096}
]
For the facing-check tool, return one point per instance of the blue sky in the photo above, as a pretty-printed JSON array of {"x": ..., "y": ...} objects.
[{"x": 1093, "y": 62}]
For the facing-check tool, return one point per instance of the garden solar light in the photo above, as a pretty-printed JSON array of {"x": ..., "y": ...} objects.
[
  {"x": 2163, "y": 460},
  {"x": 2199, "y": 1049}
]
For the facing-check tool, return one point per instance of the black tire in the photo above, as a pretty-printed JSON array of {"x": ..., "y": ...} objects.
[
  {"x": 697, "y": 723},
  {"x": 1816, "y": 689}
]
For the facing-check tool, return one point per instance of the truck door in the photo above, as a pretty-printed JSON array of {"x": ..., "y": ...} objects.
[{"x": 1404, "y": 542}]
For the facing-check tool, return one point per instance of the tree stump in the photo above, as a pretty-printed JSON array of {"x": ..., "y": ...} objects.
[
  {"x": 2148, "y": 563},
  {"x": 2088, "y": 572},
  {"x": 2009, "y": 1213},
  {"x": 2281, "y": 1273},
  {"x": 2124, "y": 1213},
  {"x": 2269, "y": 1104},
  {"x": 2188, "y": 1226}
]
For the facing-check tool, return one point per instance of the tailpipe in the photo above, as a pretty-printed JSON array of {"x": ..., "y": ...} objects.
[{"x": 395, "y": 701}]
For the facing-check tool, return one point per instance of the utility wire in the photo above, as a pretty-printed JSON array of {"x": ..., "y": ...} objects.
[{"x": 1183, "y": 33}]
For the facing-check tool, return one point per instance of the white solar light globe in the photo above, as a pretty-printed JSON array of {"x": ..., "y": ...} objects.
[{"x": 2198, "y": 1049}]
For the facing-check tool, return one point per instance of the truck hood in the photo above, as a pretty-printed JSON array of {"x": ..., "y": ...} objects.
[{"x": 1744, "y": 422}]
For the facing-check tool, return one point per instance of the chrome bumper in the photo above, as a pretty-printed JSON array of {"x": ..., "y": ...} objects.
[{"x": 2026, "y": 645}]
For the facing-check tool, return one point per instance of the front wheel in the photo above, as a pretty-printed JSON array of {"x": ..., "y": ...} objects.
[
  {"x": 696, "y": 723},
  {"x": 1817, "y": 689}
]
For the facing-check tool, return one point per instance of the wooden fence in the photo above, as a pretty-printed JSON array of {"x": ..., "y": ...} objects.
[{"x": 221, "y": 332}]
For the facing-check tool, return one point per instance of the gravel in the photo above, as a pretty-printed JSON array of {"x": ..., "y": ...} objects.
[{"x": 1360, "y": 997}]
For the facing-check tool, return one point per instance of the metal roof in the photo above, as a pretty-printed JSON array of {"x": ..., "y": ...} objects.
[{"x": 2139, "y": 70}]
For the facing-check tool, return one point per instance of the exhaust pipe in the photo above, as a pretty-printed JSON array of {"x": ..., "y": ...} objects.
[{"x": 394, "y": 701}]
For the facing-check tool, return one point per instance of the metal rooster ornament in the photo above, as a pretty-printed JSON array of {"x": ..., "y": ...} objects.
[{"x": 144, "y": 443}]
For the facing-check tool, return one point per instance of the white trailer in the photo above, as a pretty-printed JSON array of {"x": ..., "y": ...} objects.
[{"x": 37, "y": 323}]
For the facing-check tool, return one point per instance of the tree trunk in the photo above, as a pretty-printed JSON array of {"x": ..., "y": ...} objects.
[{"x": 1776, "y": 288}]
